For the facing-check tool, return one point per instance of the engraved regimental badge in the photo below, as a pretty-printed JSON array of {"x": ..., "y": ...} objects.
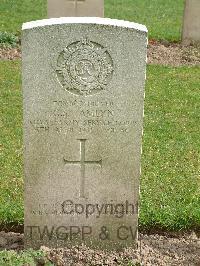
[{"x": 84, "y": 68}]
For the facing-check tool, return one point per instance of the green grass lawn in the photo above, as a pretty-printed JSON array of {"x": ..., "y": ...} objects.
[
  {"x": 171, "y": 149},
  {"x": 170, "y": 183},
  {"x": 162, "y": 17},
  {"x": 11, "y": 205}
]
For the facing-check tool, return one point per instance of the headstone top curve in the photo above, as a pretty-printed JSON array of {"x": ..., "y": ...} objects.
[{"x": 84, "y": 20}]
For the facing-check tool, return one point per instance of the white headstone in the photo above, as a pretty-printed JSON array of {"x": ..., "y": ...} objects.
[
  {"x": 75, "y": 8},
  {"x": 83, "y": 85},
  {"x": 191, "y": 23}
]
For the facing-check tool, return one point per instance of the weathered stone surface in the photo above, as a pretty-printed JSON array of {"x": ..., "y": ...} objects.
[
  {"x": 191, "y": 23},
  {"x": 73, "y": 8},
  {"x": 83, "y": 86}
]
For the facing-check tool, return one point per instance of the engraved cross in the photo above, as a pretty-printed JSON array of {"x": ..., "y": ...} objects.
[
  {"x": 82, "y": 164},
  {"x": 76, "y": 4}
]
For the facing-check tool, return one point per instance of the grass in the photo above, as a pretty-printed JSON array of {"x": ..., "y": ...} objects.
[
  {"x": 170, "y": 183},
  {"x": 14, "y": 12},
  {"x": 162, "y": 17},
  {"x": 171, "y": 146},
  {"x": 8, "y": 40},
  {"x": 11, "y": 202},
  {"x": 29, "y": 258}
]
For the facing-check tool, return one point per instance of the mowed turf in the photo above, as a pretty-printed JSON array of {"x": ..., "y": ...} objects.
[
  {"x": 163, "y": 18},
  {"x": 170, "y": 182},
  {"x": 11, "y": 180}
]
